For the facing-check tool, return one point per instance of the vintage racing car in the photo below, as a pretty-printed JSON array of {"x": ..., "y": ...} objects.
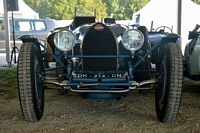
[
  {"x": 101, "y": 60},
  {"x": 192, "y": 55}
]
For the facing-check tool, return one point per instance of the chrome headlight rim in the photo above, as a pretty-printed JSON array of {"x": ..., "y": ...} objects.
[
  {"x": 141, "y": 41},
  {"x": 72, "y": 44}
]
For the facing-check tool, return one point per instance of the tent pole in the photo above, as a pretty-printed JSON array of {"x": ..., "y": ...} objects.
[
  {"x": 7, "y": 32},
  {"x": 179, "y": 19},
  {"x": 179, "y": 16}
]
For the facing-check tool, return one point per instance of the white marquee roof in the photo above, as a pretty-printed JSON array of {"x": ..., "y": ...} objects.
[
  {"x": 24, "y": 11},
  {"x": 165, "y": 13}
]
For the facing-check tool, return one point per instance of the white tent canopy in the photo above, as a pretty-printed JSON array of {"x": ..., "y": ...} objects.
[
  {"x": 24, "y": 11},
  {"x": 165, "y": 13}
]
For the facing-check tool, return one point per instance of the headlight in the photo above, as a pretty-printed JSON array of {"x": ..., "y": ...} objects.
[
  {"x": 64, "y": 40},
  {"x": 133, "y": 39}
]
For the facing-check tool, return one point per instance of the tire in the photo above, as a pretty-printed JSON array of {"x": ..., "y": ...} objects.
[
  {"x": 169, "y": 92},
  {"x": 30, "y": 89}
]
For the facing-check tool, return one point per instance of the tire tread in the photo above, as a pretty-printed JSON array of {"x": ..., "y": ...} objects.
[{"x": 25, "y": 84}]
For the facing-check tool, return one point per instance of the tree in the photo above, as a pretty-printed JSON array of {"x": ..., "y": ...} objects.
[
  {"x": 123, "y": 9},
  {"x": 89, "y": 6},
  {"x": 196, "y": 1},
  {"x": 61, "y": 9},
  {"x": 34, "y": 4},
  {"x": 55, "y": 9},
  {"x": 64, "y": 9}
]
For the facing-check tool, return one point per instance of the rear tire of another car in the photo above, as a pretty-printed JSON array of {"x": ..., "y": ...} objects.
[
  {"x": 169, "y": 92},
  {"x": 30, "y": 88}
]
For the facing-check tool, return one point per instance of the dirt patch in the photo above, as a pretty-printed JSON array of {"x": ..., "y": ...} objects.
[{"x": 72, "y": 114}]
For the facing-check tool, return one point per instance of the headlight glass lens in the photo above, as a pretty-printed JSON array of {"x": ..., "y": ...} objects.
[
  {"x": 133, "y": 39},
  {"x": 64, "y": 40}
]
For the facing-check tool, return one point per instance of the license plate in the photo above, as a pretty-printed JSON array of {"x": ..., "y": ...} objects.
[{"x": 118, "y": 75}]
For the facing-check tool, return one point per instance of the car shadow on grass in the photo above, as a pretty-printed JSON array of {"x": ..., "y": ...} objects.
[{"x": 191, "y": 86}]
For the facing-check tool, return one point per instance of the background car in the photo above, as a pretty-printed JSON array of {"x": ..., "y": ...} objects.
[
  {"x": 36, "y": 27},
  {"x": 192, "y": 55}
]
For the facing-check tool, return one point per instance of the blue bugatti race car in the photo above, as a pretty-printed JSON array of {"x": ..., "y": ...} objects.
[{"x": 101, "y": 60}]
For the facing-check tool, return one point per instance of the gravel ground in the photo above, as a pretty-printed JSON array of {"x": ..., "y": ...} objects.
[{"x": 72, "y": 114}]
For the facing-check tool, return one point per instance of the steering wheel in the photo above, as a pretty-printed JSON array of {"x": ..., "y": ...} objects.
[{"x": 162, "y": 29}]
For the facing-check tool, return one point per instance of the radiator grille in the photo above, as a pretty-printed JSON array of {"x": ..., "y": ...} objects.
[{"x": 99, "y": 43}]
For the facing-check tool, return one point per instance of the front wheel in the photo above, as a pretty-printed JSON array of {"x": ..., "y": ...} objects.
[
  {"x": 169, "y": 91},
  {"x": 30, "y": 89}
]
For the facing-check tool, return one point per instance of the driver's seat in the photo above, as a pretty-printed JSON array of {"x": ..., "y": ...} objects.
[{"x": 161, "y": 31}]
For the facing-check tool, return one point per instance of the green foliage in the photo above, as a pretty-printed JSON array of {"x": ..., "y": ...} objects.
[
  {"x": 59, "y": 10},
  {"x": 196, "y": 1},
  {"x": 89, "y": 7},
  {"x": 123, "y": 9},
  {"x": 1, "y": 26},
  {"x": 65, "y": 9}
]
